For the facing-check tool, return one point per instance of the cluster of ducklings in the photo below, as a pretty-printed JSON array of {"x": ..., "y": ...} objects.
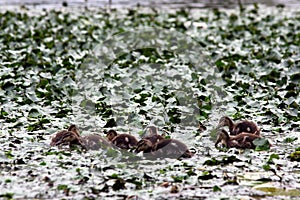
[
  {"x": 153, "y": 145},
  {"x": 242, "y": 134}
]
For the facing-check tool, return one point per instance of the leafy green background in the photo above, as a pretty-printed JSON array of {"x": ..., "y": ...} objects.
[{"x": 248, "y": 69}]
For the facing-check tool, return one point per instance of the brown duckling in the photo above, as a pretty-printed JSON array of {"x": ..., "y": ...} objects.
[
  {"x": 158, "y": 146},
  {"x": 123, "y": 141},
  {"x": 153, "y": 136},
  {"x": 146, "y": 143},
  {"x": 242, "y": 140},
  {"x": 72, "y": 137},
  {"x": 58, "y": 135},
  {"x": 240, "y": 127},
  {"x": 67, "y": 137}
]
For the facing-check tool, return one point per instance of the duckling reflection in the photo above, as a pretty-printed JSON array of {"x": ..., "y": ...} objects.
[{"x": 244, "y": 126}]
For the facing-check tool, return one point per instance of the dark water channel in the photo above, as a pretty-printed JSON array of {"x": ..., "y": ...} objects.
[{"x": 152, "y": 3}]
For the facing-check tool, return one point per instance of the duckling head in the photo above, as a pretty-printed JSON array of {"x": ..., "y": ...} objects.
[
  {"x": 111, "y": 134},
  {"x": 144, "y": 145},
  {"x": 225, "y": 121},
  {"x": 74, "y": 128},
  {"x": 222, "y": 136}
]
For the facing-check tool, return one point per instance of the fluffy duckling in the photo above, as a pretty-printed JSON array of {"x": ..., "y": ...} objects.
[
  {"x": 67, "y": 137},
  {"x": 153, "y": 136},
  {"x": 146, "y": 143},
  {"x": 72, "y": 128},
  {"x": 240, "y": 127},
  {"x": 157, "y": 147},
  {"x": 166, "y": 148},
  {"x": 72, "y": 137},
  {"x": 123, "y": 141},
  {"x": 242, "y": 140}
]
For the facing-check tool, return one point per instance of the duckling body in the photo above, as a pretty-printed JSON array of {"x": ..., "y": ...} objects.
[
  {"x": 242, "y": 140},
  {"x": 171, "y": 148},
  {"x": 240, "y": 127},
  {"x": 123, "y": 141},
  {"x": 156, "y": 146},
  {"x": 55, "y": 139}
]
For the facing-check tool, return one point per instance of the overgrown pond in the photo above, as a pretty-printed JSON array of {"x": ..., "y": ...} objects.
[{"x": 127, "y": 69}]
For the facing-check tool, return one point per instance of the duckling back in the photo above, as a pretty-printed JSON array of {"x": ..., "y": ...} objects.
[
  {"x": 171, "y": 148},
  {"x": 125, "y": 141},
  {"x": 57, "y": 137},
  {"x": 245, "y": 126}
]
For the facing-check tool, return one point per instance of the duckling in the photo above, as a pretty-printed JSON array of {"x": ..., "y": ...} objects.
[
  {"x": 146, "y": 143},
  {"x": 171, "y": 148},
  {"x": 237, "y": 128},
  {"x": 67, "y": 137},
  {"x": 123, "y": 141},
  {"x": 73, "y": 128},
  {"x": 72, "y": 137},
  {"x": 153, "y": 136},
  {"x": 242, "y": 140}
]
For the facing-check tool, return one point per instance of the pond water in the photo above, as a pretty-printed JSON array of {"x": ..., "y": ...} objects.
[{"x": 152, "y": 3}]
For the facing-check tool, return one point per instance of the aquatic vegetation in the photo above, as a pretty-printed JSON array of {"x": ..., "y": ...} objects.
[{"x": 171, "y": 69}]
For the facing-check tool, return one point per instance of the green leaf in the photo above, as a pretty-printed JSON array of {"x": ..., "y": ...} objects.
[
  {"x": 8, "y": 195},
  {"x": 261, "y": 144},
  {"x": 290, "y": 139},
  {"x": 9, "y": 154},
  {"x": 295, "y": 156},
  {"x": 216, "y": 189},
  {"x": 272, "y": 156},
  {"x": 206, "y": 175},
  {"x": 62, "y": 187},
  {"x": 43, "y": 163}
]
